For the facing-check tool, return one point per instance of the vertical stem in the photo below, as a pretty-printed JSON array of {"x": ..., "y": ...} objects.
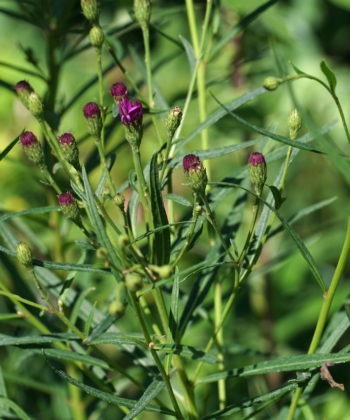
[
  {"x": 323, "y": 315},
  {"x": 76, "y": 402},
  {"x": 220, "y": 342}
]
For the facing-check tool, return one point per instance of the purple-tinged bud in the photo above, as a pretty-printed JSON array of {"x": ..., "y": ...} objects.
[
  {"x": 131, "y": 114},
  {"x": 69, "y": 149},
  {"x": 195, "y": 172},
  {"x": 32, "y": 148},
  {"x": 23, "y": 90},
  {"x": 92, "y": 114},
  {"x": 257, "y": 171},
  {"x": 69, "y": 205},
  {"x": 90, "y": 10},
  {"x": 96, "y": 36},
  {"x": 173, "y": 121},
  {"x": 118, "y": 91},
  {"x": 294, "y": 124},
  {"x": 142, "y": 10}
]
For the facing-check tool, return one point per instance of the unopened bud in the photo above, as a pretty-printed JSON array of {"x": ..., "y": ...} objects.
[
  {"x": 257, "y": 171},
  {"x": 23, "y": 90},
  {"x": 90, "y": 10},
  {"x": 173, "y": 121},
  {"x": 102, "y": 253},
  {"x": 119, "y": 200},
  {"x": 118, "y": 91},
  {"x": 294, "y": 124},
  {"x": 116, "y": 308},
  {"x": 32, "y": 148},
  {"x": 92, "y": 114},
  {"x": 96, "y": 36},
  {"x": 163, "y": 271},
  {"x": 123, "y": 241},
  {"x": 35, "y": 105},
  {"x": 196, "y": 173},
  {"x": 69, "y": 149},
  {"x": 142, "y": 9},
  {"x": 271, "y": 83},
  {"x": 69, "y": 206},
  {"x": 133, "y": 282},
  {"x": 24, "y": 255}
]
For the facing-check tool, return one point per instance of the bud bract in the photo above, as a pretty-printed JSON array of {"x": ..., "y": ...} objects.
[
  {"x": 32, "y": 148},
  {"x": 294, "y": 124},
  {"x": 173, "y": 121},
  {"x": 96, "y": 36},
  {"x": 90, "y": 10},
  {"x": 195, "y": 172},
  {"x": 35, "y": 105},
  {"x": 271, "y": 83},
  {"x": 142, "y": 9},
  {"x": 257, "y": 171},
  {"x": 24, "y": 255}
]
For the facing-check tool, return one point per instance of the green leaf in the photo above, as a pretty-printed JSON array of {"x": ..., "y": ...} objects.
[
  {"x": 161, "y": 239},
  {"x": 150, "y": 393},
  {"x": 296, "y": 69},
  {"x": 3, "y": 393},
  {"x": 178, "y": 199},
  {"x": 8, "y": 148},
  {"x": 37, "y": 210},
  {"x": 174, "y": 308},
  {"x": 277, "y": 196},
  {"x": 71, "y": 267},
  {"x": 14, "y": 407},
  {"x": 109, "y": 398},
  {"x": 70, "y": 356},
  {"x": 332, "y": 80},
  {"x": 189, "y": 352},
  {"x": 119, "y": 340},
  {"x": 293, "y": 363},
  {"x": 7, "y": 340},
  {"x": 268, "y": 398},
  {"x": 96, "y": 221},
  {"x": 189, "y": 52},
  {"x": 220, "y": 113}
]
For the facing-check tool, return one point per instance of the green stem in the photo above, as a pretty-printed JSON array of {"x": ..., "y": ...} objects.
[
  {"x": 323, "y": 315},
  {"x": 155, "y": 356},
  {"x": 246, "y": 247},
  {"x": 50, "y": 180},
  {"x": 220, "y": 342}
]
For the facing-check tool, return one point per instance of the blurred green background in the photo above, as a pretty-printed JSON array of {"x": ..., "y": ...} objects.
[{"x": 301, "y": 32}]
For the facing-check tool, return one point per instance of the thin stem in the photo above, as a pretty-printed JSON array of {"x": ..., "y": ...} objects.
[
  {"x": 220, "y": 342},
  {"x": 155, "y": 356},
  {"x": 246, "y": 246},
  {"x": 50, "y": 180},
  {"x": 323, "y": 315}
]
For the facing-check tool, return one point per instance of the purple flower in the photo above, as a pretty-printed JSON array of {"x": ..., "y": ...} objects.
[
  {"x": 130, "y": 112},
  {"x": 256, "y": 159},
  {"x": 66, "y": 138},
  {"x": 23, "y": 86},
  {"x": 28, "y": 139},
  {"x": 91, "y": 110},
  {"x": 192, "y": 163},
  {"x": 65, "y": 199},
  {"x": 118, "y": 90}
]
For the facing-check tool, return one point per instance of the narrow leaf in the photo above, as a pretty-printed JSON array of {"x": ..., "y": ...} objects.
[
  {"x": 189, "y": 352},
  {"x": 178, "y": 199},
  {"x": 189, "y": 52},
  {"x": 8, "y": 148},
  {"x": 332, "y": 80},
  {"x": 296, "y": 69},
  {"x": 277, "y": 196},
  {"x": 161, "y": 239},
  {"x": 14, "y": 407},
  {"x": 71, "y": 356}
]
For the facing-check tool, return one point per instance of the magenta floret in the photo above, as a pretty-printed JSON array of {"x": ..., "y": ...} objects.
[
  {"x": 118, "y": 90},
  {"x": 131, "y": 113},
  {"x": 91, "y": 110},
  {"x": 192, "y": 162},
  {"x": 28, "y": 139},
  {"x": 256, "y": 158},
  {"x": 65, "y": 199},
  {"x": 66, "y": 138}
]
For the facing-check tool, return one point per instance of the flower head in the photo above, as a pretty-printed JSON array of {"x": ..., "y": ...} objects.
[
  {"x": 66, "y": 138},
  {"x": 118, "y": 90},
  {"x": 257, "y": 171},
  {"x": 91, "y": 110},
  {"x": 65, "y": 199},
  {"x": 195, "y": 173},
  {"x": 69, "y": 149},
  {"x": 131, "y": 113},
  {"x": 28, "y": 139},
  {"x": 192, "y": 163},
  {"x": 69, "y": 205}
]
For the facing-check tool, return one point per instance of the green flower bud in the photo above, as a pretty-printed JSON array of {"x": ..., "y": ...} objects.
[
  {"x": 96, "y": 36},
  {"x": 173, "y": 121},
  {"x": 133, "y": 282},
  {"x": 24, "y": 255},
  {"x": 196, "y": 173},
  {"x": 35, "y": 105},
  {"x": 271, "y": 83},
  {"x": 123, "y": 241},
  {"x": 163, "y": 271},
  {"x": 119, "y": 200},
  {"x": 142, "y": 9},
  {"x": 294, "y": 124},
  {"x": 116, "y": 308},
  {"x": 90, "y": 10},
  {"x": 119, "y": 304},
  {"x": 257, "y": 171}
]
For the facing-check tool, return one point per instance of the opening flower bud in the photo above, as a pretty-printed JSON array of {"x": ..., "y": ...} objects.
[
  {"x": 195, "y": 172},
  {"x": 24, "y": 255},
  {"x": 23, "y": 90},
  {"x": 131, "y": 114},
  {"x": 90, "y": 10},
  {"x": 257, "y": 171},
  {"x": 96, "y": 36},
  {"x": 173, "y": 121},
  {"x": 133, "y": 282},
  {"x": 69, "y": 149},
  {"x": 271, "y": 83},
  {"x": 69, "y": 205},
  {"x": 294, "y": 124},
  {"x": 92, "y": 114},
  {"x": 118, "y": 91},
  {"x": 32, "y": 148}
]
